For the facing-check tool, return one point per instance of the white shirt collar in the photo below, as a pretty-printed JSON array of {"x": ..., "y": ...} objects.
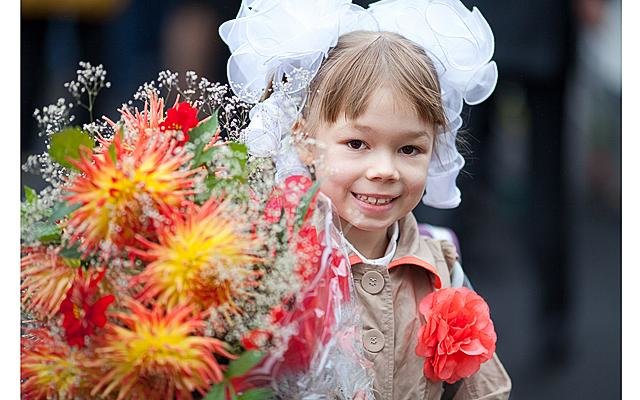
[{"x": 389, "y": 253}]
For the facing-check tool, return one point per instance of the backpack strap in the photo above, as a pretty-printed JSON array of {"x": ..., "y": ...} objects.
[{"x": 451, "y": 251}]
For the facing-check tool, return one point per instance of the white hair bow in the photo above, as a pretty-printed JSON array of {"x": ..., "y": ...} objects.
[
  {"x": 270, "y": 39},
  {"x": 268, "y": 134},
  {"x": 273, "y": 39}
]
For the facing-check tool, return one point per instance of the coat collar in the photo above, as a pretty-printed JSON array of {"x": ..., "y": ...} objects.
[{"x": 412, "y": 250}]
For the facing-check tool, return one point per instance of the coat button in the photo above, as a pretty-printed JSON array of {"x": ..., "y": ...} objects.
[
  {"x": 373, "y": 340},
  {"x": 372, "y": 282}
]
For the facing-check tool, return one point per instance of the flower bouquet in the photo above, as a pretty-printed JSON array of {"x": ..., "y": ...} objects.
[{"x": 162, "y": 261}]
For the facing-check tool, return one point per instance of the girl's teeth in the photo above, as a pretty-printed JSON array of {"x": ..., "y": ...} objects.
[{"x": 373, "y": 200}]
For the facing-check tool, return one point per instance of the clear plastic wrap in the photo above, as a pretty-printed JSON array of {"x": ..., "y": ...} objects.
[{"x": 316, "y": 351}]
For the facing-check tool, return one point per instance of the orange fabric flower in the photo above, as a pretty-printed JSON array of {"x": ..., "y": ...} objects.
[{"x": 458, "y": 335}]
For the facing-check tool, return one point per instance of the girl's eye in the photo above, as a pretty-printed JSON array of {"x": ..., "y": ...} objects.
[
  {"x": 409, "y": 150},
  {"x": 355, "y": 144}
]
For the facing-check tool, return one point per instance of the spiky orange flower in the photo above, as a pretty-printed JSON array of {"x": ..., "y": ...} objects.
[
  {"x": 121, "y": 190},
  {"x": 45, "y": 278},
  {"x": 181, "y": 117},
  {"x": 149, "y": 119},
  {"x": 203, "y": 257},
  {"x": 161, "y": 349},
  {"x": 51, "y": 370}
]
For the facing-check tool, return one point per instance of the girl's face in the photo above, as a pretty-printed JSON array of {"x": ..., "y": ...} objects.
[{"x": 374, "y": 168}]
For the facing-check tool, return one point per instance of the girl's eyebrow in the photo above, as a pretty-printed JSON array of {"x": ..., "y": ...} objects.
[{"x": 411, "y": 133}]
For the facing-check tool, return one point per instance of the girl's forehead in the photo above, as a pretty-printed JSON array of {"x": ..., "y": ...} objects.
[
  {"x": 408, "y": 132},
  {"x": 387, "y": 110},
  {"x": 383, "y": 110},
  {"x": 388, "y": 98}
]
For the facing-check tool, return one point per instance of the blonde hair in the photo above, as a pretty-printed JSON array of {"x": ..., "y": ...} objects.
[{"x": 359, "y": 64}]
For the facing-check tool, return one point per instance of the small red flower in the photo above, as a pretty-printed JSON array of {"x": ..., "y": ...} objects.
[
  {"x": 256, "y": 339},
  {"x": 287, "y": 197},
  {"x": 308, "y": 251},
  {"x": 81, "y": 311},
  {"x": 181, "y": 117},
  {"x": 458, "y": 335}
]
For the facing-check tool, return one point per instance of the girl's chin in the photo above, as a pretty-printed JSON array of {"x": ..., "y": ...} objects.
[{"x": 366, "y": 226}]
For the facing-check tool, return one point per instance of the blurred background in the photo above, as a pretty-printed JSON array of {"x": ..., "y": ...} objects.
[{"x": 540, "y": 220}]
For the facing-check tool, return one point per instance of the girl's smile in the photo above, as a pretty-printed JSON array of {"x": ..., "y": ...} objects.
[{"x": 374, "y": 202}]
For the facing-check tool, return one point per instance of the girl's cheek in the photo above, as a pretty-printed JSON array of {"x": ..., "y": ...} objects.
[
  {"x": 417, "y": 179},
  {"x": 332, "y": 162}
]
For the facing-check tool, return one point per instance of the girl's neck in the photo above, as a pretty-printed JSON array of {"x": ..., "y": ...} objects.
[{"x": 370, "y": 244}]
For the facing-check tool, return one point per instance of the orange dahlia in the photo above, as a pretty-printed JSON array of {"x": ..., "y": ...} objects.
[
  {"x": 121, "y": 191},
  {"x": 203, "y": 257},
  {"x": 45, "y": 278},
  {"x": 149, "y": 119},
  {"x": 158, "y": 354},
  {"x": 51, "y": 370}
]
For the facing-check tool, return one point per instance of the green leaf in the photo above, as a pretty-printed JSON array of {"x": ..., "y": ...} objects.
[
  {"x": 235, "y": 162},
  {"x": 205, "y": 130},
  {"x": 216, "y": 392},
  {"x": 203, "y": 158},
  {"x": 200, "y": 136},
  {"x": 256, "y": 394},
  {"x": 46, "y": 233},
  {"x": 240, "y": 152},
  {"x": 304, "y": 205},
  {"x": 112, "y": 152},
  {"x": 72, "y": 252},
  {"x": 61, "y": 210},
  {"x": 240, "y": 149},
  {"x": 230, "y": 158},
  {"x": 244, "y": 363},
  {"x": 73, "y": 262},
  {"x": 30, "y": 195},
  {"x": 66, "y": 145}
]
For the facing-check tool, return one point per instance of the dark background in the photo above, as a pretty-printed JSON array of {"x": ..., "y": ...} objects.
[{"x": 540, "y": 220}]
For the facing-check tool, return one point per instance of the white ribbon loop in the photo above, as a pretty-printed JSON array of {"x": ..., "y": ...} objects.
[{"x": 287, "y": 40}]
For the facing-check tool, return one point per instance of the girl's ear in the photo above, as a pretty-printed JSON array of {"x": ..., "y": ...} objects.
[{"x": 303, "y": 143}]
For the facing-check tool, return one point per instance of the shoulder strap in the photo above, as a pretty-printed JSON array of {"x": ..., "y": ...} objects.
[
  {"x": 450, "y": 249},
  {"x": 439, "y": 233}
]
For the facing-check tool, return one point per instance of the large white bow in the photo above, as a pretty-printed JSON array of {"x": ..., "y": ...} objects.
[{"x": 271, "y": 39}]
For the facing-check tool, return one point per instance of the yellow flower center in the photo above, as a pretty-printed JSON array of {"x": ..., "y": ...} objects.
[
  {"x": 203, "y": 260},
  {"x": 160, "y": 346},
  {"x": 52, "y": 372},
  {"x": 78, "y": 312}
]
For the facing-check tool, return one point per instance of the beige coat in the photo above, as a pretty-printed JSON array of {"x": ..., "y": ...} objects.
[{"x": 390, "y": 317}]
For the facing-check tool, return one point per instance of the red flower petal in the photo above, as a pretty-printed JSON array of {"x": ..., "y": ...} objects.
[
  {"x": 458, "y": 335},
  {"x": 182, "y": 117},
  {"x": 80, "y": 314},
  {"x": 473, "y": 348},
  {"x": 97, "y": 312}
]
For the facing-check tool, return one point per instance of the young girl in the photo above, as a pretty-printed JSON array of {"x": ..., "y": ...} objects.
[{"x": 374, "y": 109}]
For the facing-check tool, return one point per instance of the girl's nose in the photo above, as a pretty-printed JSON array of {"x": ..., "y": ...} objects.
[{"x": 382, "y": 168}]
